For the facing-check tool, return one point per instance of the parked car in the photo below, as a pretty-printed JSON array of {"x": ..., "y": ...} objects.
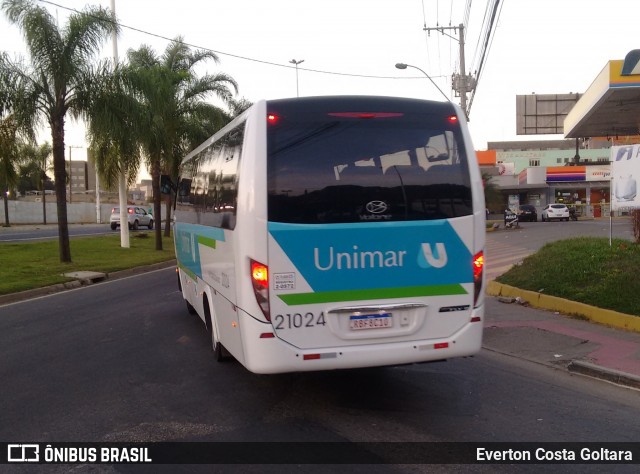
[
  {"x": 527, "y": 213},
  {"x": 136, "y": 216},
  {"x": 555, "y": 211}
]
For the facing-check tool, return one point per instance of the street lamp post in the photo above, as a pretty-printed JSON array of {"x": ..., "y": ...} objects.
[
  {"x": 296, "y": 63},
  {"x": 122, "y": 177},
  {"x": 405, "y": 66}
]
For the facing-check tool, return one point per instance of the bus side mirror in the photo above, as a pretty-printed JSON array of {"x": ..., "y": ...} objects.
[
  {"x": 166, "y": 185},
  {"x": 184, "y": 188}
]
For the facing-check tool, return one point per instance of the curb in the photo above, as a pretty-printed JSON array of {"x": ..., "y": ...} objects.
[
  {"x": 598, "y": 315},
  {"x": 57, "y": 288},
  {"x": 610, "y": 375},
  {"x": 553, "y": 303}
]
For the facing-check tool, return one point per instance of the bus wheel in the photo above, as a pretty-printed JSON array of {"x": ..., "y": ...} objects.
[{"x": 219, "y": 352}]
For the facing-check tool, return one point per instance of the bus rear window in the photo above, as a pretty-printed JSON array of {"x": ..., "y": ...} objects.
[{"x": 365, "y": 159}]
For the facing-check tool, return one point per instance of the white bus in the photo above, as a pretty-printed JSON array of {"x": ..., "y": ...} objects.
[{"x": 335, "y": 232}]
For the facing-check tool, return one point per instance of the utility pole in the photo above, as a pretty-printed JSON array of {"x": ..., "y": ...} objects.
[{"x": 460, "y": 83}]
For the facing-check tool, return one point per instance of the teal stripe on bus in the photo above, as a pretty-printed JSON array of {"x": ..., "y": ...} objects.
[{"x": 372, "y": 294}]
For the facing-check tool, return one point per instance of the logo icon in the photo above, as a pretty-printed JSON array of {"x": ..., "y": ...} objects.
[
  {"x": 23, "y": 453},
  {"x": 376, "y": 207},
  {"x": 427, "y": 258}
]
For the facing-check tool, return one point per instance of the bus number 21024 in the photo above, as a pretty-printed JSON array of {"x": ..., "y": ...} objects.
[{"x": 298, "y": 320}]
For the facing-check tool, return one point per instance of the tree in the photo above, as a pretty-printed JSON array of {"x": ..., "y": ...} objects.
[
  {"x": 492, "y": 196},
  {"x": 8, "y": 161},
  {"x": 36, "y": 158},
  {"x": 237, "y": 106},
  {"x": 16, "y": 127},
  {"x": 112, "y": 113},
  {"x": 175, "y": 114},
  {"x": 60, "y": 63}
]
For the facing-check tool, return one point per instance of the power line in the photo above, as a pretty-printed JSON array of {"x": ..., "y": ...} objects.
[
  {"x": 495, "y": 17},
  {"x": 236, "y": 56}
]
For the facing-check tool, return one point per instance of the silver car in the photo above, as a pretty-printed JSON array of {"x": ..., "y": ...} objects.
[
  {"x": 555, "y": 211},
  {"x": 136, "y": 215}
]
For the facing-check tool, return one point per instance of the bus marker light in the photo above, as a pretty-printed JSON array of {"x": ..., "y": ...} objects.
[
  {"x": 267, "y": 335},
  {"x": 324, "y": 355},
  {"x": 476, "y": 319},
  {"x": 441, "y": 345}
]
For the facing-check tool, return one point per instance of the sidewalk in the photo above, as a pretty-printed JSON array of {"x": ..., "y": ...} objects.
[{"x": 553, "y": 339}]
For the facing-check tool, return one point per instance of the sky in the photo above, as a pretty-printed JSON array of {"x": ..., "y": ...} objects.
[{"x": 351, "y": 47}]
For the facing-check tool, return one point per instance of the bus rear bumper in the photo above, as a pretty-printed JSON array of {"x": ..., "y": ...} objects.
[{"x": 273, "y": 355}]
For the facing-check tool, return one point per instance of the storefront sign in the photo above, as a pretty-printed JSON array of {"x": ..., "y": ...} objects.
[
  {"x": 598, "y": 173},
  {"x": 625, "y": 170}
]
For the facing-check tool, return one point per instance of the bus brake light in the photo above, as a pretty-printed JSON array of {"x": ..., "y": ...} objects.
[
  {"x": 260, "y": 283},
  {"x": 260, "y": 274},
  {"x": 478, "y": 267}
]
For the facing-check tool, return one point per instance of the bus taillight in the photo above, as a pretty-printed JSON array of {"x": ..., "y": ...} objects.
[
  {"x": 478, "y": 268},
  {"x": 260, "y": 282}
]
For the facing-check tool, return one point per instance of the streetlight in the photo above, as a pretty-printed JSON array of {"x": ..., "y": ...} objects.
[
  {"x": 293, "y": 61},
  {"x": 405, "y": 66}
]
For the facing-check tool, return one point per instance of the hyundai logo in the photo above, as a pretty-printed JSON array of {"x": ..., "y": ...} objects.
[{"x": 376, "y": 207}]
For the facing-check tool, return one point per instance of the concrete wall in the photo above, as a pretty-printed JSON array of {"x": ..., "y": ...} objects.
[{"x": 23, "y": 212}]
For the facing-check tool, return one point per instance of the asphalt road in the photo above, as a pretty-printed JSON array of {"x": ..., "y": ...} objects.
[
  {"x": 533, "y": 235},
  {"x": 124, "y": 361},
  {"x": 36, "y": 233}
]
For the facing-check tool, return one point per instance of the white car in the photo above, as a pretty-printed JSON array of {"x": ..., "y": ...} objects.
[
  {"x": 136, "y": 215},
  {"x": 555, "y": 211}
]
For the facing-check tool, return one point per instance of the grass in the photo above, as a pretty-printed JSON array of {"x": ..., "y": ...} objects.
[
  {"x": 584, "y": 269},
  {"x": 32, "y": 265}
]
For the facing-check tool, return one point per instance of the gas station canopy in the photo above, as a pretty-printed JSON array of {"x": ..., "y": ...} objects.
[{"x": 611, "y": 105}]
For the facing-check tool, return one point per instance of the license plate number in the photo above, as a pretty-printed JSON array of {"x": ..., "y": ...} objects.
[{"x": 370, "y": 321}]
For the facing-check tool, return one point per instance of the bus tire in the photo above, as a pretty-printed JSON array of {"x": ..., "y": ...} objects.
[
  {"x": 219, "y": 352},
  {"x": 190, "y": 307}
]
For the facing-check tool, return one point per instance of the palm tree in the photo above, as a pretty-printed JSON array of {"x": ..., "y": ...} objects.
[
  {"x": 176, "y": 118},
  {"x": 111, "y": 113},
  {"x": 37, "y": 157},
  {"x": 237, "y": 106},
  {"x": 8, "y": 161},
  {"x": 60, "y": 59},
  {"x": 16, "y": 127},
  {"x": 492, "y": 196}
]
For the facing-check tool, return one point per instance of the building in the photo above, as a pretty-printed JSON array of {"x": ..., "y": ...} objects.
[
  {"x": 576, "y": 170},
  {"x": 547, "y": 171}
]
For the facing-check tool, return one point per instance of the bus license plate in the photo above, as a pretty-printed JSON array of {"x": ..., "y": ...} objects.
[{"x": 370, "y": 321}]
